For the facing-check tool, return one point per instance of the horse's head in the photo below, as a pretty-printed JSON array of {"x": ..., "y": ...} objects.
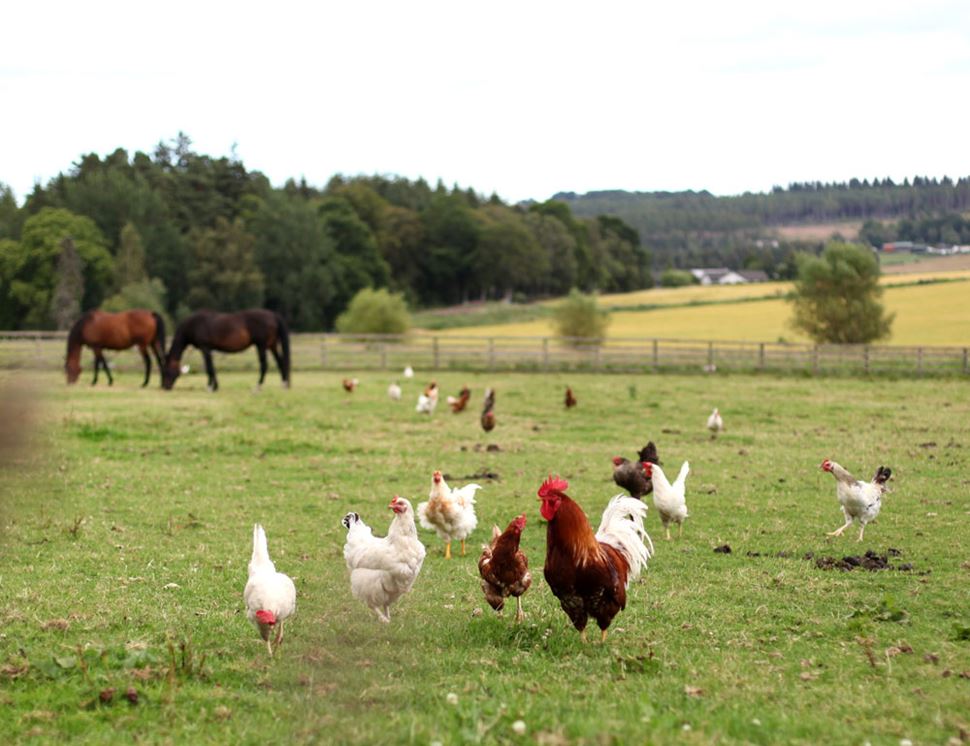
[
  {"x": 73, "y": 368},
  {"x": 170, "y": 371}
]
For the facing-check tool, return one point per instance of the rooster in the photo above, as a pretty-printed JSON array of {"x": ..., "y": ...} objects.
[
  {"x": 457, "y": 403},
  {"x": 428, "y": 401},
  {"x": 589, "y": 573},
  {"x": 859, "y": 500},
  {"x": 350, "y": 384},
  {"x": 383, "y": 569},
  {"x": 669, "y": 499},
  {"x": 570, "y": 399},
  {"x": 450, "y": 513},
  {"x": 270, "y": 596},
  {"x": 632, "y": 476},
  {"x": 394, "y": 391},
  {"x": 488, "y": 416},
  {"x": 504, "y": 568},
  {"x": 714, "y": 423}
]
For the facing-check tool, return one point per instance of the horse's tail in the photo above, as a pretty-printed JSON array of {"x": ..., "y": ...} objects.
[
  {"x": 159, "y": 334},
  {"x": 284, "y": 335}
]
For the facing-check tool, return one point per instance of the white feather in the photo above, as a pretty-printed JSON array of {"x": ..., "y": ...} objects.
[
  {"x": 267, "y": 589},
  {"x": 622, "y": 528}
]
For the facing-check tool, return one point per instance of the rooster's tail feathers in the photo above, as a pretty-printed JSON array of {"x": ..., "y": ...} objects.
[
  {"x": 622, "y": 528},
  {"x": 684, "y": 471},
  {"x": 260, "y": 558}
]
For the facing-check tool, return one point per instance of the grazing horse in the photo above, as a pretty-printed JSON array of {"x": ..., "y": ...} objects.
[
  {"x": 101, "y": 330},
  {"x": 230, "y": 332}
]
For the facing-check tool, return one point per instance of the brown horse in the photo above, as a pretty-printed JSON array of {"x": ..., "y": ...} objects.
[
  {"x": 230, "y": 332},
  {"x": 101, "y": 330}
]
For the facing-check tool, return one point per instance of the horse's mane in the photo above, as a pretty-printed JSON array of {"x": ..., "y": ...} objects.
[{"x": 75, "y": 337}]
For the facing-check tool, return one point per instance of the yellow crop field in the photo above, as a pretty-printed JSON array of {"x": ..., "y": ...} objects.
[{"x": 937, "y": 314}]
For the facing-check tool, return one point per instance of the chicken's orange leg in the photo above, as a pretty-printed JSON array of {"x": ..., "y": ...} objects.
[
  {"x": 462, "y": 547},
  {"x": 582, "y": 635},
  {"x": 519, "y": 615},
  {"x": 448, "y": 550},
  {"x": 603, "y": 635}
]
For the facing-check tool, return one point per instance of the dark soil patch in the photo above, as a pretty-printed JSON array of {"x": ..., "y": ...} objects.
[
  {"x": 869, "y": 561},
  {"x": 723, "y": 549}
]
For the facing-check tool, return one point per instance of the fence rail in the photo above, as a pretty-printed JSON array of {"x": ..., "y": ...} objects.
[{"x": 45, "y": 351}]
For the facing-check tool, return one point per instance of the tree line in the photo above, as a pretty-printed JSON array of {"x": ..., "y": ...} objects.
[
  {"x": 176, "y": 230},
  {"x": 691, "y": 229}
]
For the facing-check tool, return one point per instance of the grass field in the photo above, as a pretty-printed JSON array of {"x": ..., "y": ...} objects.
[
  {"x": 127, "y": 525},
  {"x": 927, "y": 314}
]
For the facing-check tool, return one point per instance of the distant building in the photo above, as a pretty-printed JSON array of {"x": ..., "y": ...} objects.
[{"x": 725, "y": 276}]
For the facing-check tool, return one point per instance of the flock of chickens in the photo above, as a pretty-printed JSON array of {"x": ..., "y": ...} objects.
[{"x": 588, "y": 571}]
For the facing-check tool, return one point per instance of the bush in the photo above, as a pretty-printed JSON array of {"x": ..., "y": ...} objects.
[
  {"x": 578, "y": 316},
  {"x": 375, "y": 312},
  {"x": 149, "y": 293},
  {"x": 836, "y": 296},
  {"x": 676, "y": 278}
]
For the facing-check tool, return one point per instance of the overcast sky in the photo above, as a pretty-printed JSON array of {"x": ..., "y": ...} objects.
[{"x": 524, "y": 98}]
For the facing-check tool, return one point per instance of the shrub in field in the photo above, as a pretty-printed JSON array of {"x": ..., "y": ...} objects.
[
  {"x": 676, "y": 278},
  {"x": 375, "y": 312},
  {"x": 837, "y": 296},
  {"x": 579, "y": 317}
]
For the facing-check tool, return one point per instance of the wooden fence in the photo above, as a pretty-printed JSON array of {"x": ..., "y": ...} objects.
[{"x": 45, "y": 351}]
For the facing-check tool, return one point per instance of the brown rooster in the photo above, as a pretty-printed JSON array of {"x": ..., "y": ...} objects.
[
  {"x": 350, "y": 384},
  {"x": 488, "y": 416},
  {"x": 570, "y": 399},
  {"x": 504, "y": 568},
  {"x": 632, "y": 475},
  {"x": 589, "y": 573},
  {"x": 458, "y": 403}
]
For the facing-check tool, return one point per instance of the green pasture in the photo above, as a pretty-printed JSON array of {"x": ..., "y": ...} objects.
[{"x": 127, "y": 518}]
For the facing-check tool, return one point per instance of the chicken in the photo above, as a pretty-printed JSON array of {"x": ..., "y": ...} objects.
[
  {"x": 570, "y": 399},
  {"x": 488, "y": 416},
  {"x": 450, "y": 513},
  {"x": 714, "y": 423},
  {"x": 270, "y": 596},
  {"x": 457, "y": 403},
  {"x": 428, "y": 401},
  {"x": 632, "y": 475},
  {"x": 350, "y": 384},
  {"x": 408, "y": 372},
  {"x": 859, "y": 500},
  {"x": 394, "y": 392},
  {"x": 382, "y": 569},
  {"x": 589, "y": 573},
  {"x": 504, "y": 568},
  {"x": 669, "y": 499}
]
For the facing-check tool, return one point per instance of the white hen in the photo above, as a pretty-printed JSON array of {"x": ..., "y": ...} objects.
[
  {"x": 859, "y": 500},
  {"x": 714, "y": 423},
  {"x": 669, "y": 499},
  {"x": 270, "y": 596},
  {"x": 383, "y": 569},
  {"x": 428, "y": 400},
  {"x": 451, "y": 513},
  {"x": 394, "y": 392}
]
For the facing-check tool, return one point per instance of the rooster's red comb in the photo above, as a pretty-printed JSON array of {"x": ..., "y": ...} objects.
[{"x": 553, "y": 484}]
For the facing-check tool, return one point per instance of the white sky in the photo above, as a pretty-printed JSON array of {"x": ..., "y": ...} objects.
[{"x": 521, "y": 98}]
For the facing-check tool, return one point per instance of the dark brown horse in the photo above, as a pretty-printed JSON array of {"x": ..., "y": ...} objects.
[
  {"x": 101, "y": 330},
  {"x": 230, "y": 332}
]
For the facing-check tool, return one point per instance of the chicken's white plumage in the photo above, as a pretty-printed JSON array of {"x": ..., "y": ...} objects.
[
  {"x": 428, "y": 401},
  {"x": 860, "y": 501},
  {"x": 670, "y": 499},
  {"x": 714, "y": 423},
  {"x": 270, "y": 596},
  {"x": 449, "y": 512},
  {"x": 409, "y": 372},
  {"x": 394, "y": 392},
  {"x": 382, "y": 569},
  {"x": 622, "y": 528}
]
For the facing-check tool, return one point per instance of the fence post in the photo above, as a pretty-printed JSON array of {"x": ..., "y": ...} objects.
[
  {"x": 434, "y": 348},
  {"x": 815, "y": 360},
  {"x": 865, "y": 358},
  {"x": 545, "y": 353},
  {"x": 491, "y": 353},
  {"x": 656, "y": 354},
  {"x": 761, "y": 356},
  {"x": 323, "y": 352},
  {"x": 919, "y": 361},
  {"x": 710, "y": 355},
  {"x": 383, "y": 355},
  {"x": 966, "y": 360}
]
